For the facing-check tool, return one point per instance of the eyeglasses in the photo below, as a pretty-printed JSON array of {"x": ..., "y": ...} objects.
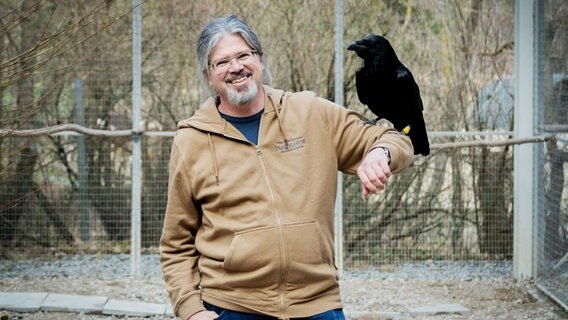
[{"x": 223, "y": 64}]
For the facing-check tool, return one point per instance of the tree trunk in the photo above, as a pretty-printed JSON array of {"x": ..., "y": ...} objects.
[
  {"x": 61, "y": 228},
  {"x": 458, "y": 216},
  {"x": 21, "y": 186},
  {"x": 496, "y": 237}
]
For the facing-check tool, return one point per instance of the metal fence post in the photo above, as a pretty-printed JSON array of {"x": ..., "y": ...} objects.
[
  {"x": 83, "y": 206},
  {"x": 524, "y": 207},
  {"x": 136, "y": 218}
]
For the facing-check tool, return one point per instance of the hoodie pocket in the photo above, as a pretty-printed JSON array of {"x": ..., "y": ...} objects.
[
  {"x": 310, "y": 256},
  {"x": 253, "y": 260}
]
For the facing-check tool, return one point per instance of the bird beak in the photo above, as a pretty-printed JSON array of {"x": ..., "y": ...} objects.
[{"x": 354, "y": 46}]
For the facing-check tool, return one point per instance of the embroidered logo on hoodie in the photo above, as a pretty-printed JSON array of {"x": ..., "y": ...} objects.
[{"x": 290, "y": 145}]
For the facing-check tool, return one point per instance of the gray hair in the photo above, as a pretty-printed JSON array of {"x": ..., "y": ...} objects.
[{"x": 212, "y": 33}]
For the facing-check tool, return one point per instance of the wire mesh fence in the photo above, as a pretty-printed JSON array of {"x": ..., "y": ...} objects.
[
  {"x": 552, "y": 222},
  {"x": 551, "y": 212},
  {"x": 71, "y": 191},
  {"x": 454, "y": 205}
]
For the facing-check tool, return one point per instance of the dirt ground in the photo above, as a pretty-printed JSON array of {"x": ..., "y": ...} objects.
[{"x": 486, "y": 299}]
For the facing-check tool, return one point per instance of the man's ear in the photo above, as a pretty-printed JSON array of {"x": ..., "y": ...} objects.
[{"x": 206, "y": 75}]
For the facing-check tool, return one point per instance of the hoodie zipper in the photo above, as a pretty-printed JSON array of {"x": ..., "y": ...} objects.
[
  {"x": 283, "y": 256},
  {"x": 280, "y": 228}
]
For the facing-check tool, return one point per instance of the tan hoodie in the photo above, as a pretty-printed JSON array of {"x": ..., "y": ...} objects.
[{"x": 250, "y": 227}]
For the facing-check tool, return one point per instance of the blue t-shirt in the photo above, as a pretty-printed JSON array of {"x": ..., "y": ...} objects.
[{"x": 248, "y": 126}]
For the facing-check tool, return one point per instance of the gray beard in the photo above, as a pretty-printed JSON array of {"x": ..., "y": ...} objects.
[{"x": 242, "y": 97}]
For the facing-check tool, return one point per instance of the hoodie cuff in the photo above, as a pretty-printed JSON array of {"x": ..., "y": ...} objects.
[
  {"x": 401, "y": 152},
  {"x": 189, "y": 307},
  {"x": 385, "y": 149}
]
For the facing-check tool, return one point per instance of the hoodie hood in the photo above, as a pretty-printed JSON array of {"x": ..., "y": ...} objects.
[{"x": 208, "y": 119}]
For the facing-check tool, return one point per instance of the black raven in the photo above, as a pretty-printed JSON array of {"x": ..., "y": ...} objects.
[{"x": 388, "y": 89}]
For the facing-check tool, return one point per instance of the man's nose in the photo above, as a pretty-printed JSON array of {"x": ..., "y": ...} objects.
[{"x": 234, "y": 64}]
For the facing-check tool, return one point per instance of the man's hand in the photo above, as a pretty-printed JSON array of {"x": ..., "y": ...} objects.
[
  {"x": 204, "y": 315},
  {"x": 374, "y": 171}
]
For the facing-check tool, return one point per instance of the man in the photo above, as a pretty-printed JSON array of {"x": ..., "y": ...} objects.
[{"x": 248, "y": 229}]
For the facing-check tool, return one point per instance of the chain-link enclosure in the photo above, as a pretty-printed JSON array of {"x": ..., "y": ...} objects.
[
  {"x": 551, "y": 217},
  {"x": 457, "y": 206},
  {"x": 68, "y": 191}
]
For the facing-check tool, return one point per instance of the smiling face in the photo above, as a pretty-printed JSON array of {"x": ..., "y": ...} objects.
[{"x": 235, "y": 73}]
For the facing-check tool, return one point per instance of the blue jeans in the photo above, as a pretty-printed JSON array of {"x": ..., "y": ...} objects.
[{"x": 225, "y": 314}]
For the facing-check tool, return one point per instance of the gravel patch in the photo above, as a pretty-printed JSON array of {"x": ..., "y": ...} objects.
[
  {"x": 485, "y": 288},
  {"x": 109, "y": 267},
  {"x": 105, "y": 267}
]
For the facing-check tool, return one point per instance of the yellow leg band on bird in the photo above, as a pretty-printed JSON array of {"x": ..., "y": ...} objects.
[{"x": 406, "y": 130}]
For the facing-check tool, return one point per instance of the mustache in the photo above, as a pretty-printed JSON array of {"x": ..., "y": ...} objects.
[{"x": 233, "y": 76}]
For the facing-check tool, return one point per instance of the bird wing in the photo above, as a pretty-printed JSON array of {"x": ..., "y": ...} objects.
[
  {"x": 364, "y": 87},
  {"x": 413, "y": 107},
  {"x": 409, "y": 89}
]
